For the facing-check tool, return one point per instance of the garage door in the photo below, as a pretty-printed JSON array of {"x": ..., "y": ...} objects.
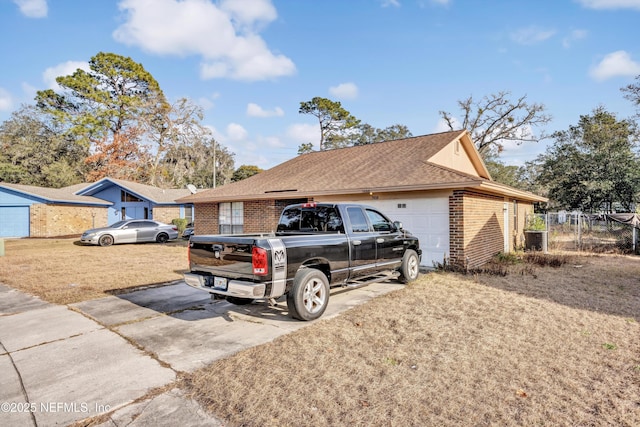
[
  {"x": 14, "y": 221},
  {"x": 425, "y": 218}
]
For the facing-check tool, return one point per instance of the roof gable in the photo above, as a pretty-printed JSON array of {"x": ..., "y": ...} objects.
[
  {"x": 461, "y": 154},
  {"x": 54, "y": 195},
  {"x": 153, "y": 194},
  {"x": 404, "y": 164}
]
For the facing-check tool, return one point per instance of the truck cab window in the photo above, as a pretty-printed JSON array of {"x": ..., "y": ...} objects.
[
  {"x": 317, "y": 219},
  {"x": 379, "y": 222},
  {"x": 358, "y": 221}
]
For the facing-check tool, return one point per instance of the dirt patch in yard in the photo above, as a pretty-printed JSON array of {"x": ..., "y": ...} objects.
[
  {"x": 539, "y": 346},
  {"x": 61, "y": 271}
]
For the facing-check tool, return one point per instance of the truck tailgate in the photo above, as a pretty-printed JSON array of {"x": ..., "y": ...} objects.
[{"x": 228, "y": 256}]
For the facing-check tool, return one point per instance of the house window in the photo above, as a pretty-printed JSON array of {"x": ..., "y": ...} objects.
[
  {"x": 231, "y": 218},
  {"x": 402, "y": 205},
  {"x": 127, "y": 197},
  {"x": 515, "y": 214},
  {"x": 123, "y": 212},
  {"x": 188, "y": 212},
  {"x": 146, "y": 213}
]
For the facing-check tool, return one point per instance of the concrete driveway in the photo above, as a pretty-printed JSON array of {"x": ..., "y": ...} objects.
[{"x": 118, "y": 357}]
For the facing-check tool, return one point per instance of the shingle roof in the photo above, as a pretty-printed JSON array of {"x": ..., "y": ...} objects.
[
  {"x": 82, "y": 193},
  {"x": 387, "y": 166},
  {"x": 55, "y": 195},
  {"x": 154, "y": 194}
]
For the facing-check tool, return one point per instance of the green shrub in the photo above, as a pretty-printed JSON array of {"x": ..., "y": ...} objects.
[
  {"x": 181, "y": 223},
  {"x": 535, "y": 223}
]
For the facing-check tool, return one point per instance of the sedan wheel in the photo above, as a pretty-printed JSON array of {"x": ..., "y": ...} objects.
[
  {"x": 162, "y": 238},
  {"x": 106, "y": 240}
]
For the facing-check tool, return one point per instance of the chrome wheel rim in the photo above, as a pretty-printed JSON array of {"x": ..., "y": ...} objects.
[
  {"x": 315, "y": 296},
  {"x": 413, "y": 267}
]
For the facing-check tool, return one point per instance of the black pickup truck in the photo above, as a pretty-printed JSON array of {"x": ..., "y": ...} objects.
[{"x": 316, "y": 246}]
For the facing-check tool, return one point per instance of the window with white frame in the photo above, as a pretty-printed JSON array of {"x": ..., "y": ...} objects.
[{"x": 231, "y": 218}]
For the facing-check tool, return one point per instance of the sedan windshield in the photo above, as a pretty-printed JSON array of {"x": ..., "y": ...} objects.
[{"x": 118, "y": 224}]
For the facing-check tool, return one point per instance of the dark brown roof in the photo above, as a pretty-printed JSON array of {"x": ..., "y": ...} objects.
[{"x": 386, "y": 166}]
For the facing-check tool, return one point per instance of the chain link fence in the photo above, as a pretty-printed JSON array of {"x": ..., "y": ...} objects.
[{"x": 577, "y": 231}]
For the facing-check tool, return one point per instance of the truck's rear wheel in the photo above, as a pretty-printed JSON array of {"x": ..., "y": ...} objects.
[
  {"x": 410, "y": 267},
  {"x": 309, "y": 296}
]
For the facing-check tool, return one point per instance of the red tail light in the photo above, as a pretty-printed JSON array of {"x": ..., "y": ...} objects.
[{"x": 259, "y": 261}]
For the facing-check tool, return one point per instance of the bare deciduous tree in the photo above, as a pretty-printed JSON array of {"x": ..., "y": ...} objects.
[{"x": 496, "y": 119}]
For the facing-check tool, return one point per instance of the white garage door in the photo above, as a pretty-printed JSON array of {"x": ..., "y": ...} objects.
[
  {"x": 426, "y": 218},
  {"x": 14, "y": 221}
]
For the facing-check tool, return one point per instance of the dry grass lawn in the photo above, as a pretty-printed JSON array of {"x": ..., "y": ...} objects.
[
  {"x": 540, "y": 346},
  {"x": 63, "y": 272}
]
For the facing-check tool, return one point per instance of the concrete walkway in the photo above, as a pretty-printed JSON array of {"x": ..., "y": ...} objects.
[{"x": 118, "y": 357}]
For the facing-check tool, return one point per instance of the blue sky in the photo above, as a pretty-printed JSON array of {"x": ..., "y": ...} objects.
[{"x": 249, "y": 63}]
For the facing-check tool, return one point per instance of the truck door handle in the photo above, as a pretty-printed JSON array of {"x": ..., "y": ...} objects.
[
  {"x": 380, "y": 240},
  {"x": 356, "y": 242}
]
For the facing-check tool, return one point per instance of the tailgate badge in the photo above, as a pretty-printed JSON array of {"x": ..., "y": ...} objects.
[{"x": 216, "y": 254}]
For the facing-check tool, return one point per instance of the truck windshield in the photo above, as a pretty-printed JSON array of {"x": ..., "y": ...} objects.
[{"x": 319, "y": 218}]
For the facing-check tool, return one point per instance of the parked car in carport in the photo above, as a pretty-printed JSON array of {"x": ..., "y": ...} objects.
[
  {"x": 188, "y": 232},
  {"x": 131, "y": 231}
]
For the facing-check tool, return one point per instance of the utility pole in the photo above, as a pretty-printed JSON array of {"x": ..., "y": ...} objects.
[{"x": 214, "y": 162}]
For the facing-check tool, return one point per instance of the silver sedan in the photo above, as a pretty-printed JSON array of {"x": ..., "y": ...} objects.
[{"x": 131, "y": 231}]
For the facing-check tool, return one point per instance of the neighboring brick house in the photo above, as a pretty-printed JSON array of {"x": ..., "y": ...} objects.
[
  {"x": 30, "y": 211},
  {"x": 436, "y": 185}
]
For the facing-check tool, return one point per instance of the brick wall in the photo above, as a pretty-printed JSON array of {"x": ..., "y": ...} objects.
[
  {"x": 166, "y": 214},
  {"x": 64, "y": 220},
  {"x": 476, "y": 227},
  {"x": 206, "y": 218},
  {"x": 260, "y": 216}
]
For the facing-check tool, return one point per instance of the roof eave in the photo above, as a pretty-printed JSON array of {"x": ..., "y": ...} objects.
[{"x": 494, "y": 187}]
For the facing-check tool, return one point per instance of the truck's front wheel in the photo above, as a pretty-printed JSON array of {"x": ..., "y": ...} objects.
[
  {"x": 309, "y": 296},
  {"x": 410, "y": 267}
]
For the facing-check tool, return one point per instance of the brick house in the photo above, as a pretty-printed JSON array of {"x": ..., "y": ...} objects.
[
  {"x": 436, "y": 185},
  {"x": 31, "y": 211}
]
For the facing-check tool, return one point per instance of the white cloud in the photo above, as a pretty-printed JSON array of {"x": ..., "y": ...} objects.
[
  {"x": 254, "y": 110},
  {"x": 302, "y": 133},
  {"x": 531, "y": 35},
  {"x": 6, "y": 102},
  {"x": 223, "y": 36},
  {"x": 344, "y": 91},
  {"x": 32, "y": 8},
  {"x": 64, "y": 69},
  {"x": 575, "y": 35},
  {"x": 250, "y": 13},
  {"x": 615, "y": 64},
  {"x": 236, "y": 132},
  {"x": 273, "y": 142},
  {"x": 610, "y": 4},
  {"x": 208, "y": 103}
]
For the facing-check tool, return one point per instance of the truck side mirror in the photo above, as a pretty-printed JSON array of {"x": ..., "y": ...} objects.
[{"x": 398, "y": 225}]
